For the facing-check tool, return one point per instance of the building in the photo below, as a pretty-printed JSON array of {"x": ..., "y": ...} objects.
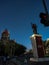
[{"x": 7, "y": 46}]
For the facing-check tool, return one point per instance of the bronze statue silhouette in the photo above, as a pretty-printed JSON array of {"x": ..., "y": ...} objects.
[{"x": 34, "y": 27}]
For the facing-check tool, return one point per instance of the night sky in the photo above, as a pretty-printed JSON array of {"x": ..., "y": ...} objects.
[{"x": 16, "y": 16}]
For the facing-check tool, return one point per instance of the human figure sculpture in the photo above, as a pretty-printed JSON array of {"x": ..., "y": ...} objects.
[{"x": 34, "y": 27}]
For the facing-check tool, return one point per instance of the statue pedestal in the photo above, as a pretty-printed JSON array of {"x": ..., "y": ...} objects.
[
  {"x": 38, "y": 48},
  {"x": 39, "y": 59}
]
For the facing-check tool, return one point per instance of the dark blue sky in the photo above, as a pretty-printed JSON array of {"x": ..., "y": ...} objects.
[{"x": 16, "y": 16}]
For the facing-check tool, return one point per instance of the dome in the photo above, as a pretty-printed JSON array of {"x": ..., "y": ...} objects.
[{"x": 5, "y": 32}]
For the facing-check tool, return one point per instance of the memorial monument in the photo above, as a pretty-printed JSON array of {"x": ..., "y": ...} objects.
[{"x": 37, "y": 45}]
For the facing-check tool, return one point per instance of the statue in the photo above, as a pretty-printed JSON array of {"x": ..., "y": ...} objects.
[{"x": 34, "y": 27}]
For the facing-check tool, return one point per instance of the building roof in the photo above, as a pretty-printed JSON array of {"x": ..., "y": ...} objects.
[{"x": 5, "y": 32}]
